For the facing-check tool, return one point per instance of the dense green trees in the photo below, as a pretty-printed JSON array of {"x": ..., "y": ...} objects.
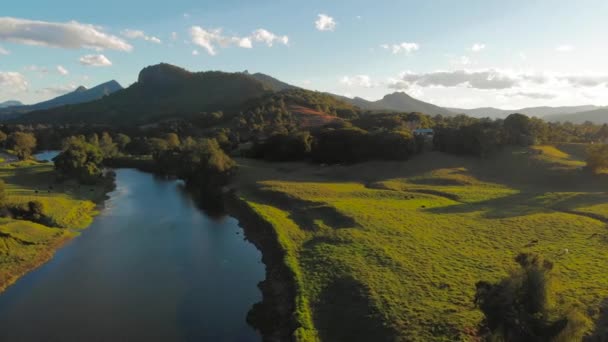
[
  {"x": 22, "y": 143},
  {"x": 3, "y": 138},
  {"x": 80, "y": 159},
  {"x": 351, "y": 145},
  {"x": 202, "y": 164},
  {"x": 518, "y": 308},
  {"x": 284, "y": 147},
  {"x": 597, "y": 157}
]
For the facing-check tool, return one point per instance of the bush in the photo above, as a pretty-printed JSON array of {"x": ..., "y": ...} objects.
[
  {"x": 23, "y": 144},
  {"x": 80, "y": 160},
  {"x": 518, "y": 307},
  {"x": 597, "y": 157}
]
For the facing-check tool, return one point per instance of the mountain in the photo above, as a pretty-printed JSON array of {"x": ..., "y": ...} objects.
[
  {"x": 398, "y": 101},
  {"x": 530, "y": 111},
  {"x": 597, "y": 116},
  {"x": 161, "y": 91},
  {"x": 271, "y": 82},
  {"x": 10, "y": 103},
  {"x": 80, "y": 95}
]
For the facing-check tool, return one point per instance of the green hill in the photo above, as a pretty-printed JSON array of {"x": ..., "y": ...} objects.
[{"x": 162, "y": 91}]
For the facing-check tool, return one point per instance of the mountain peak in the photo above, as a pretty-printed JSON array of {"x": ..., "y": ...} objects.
[
  {"x": 80, "y": 89},
  {"x": 163, "y": 74}
]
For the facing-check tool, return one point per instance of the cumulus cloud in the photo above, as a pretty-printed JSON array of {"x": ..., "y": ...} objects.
[
  {"x": 95, "y": 60},
  {"x": 69, "y": 35},
  {"x": 61, "y": 70},
  {"x": 325, "y": 23},
  {"x": 138, "y": 34},
  {"x": 478, "y": 47},
  {"x": 533, "y": 95},
  {"x": 564, "y": 48},
  {"x": 209, "y": 39},
  {"x": 484, "y": 79},
  {"x": 531, "y": 84},
  {"x": 13, "y": 82},
  {"x": 357, "y": 80},
  {"x": 585, "y": 80},
  {"x": 403, "y": 47},
  {"x": 261, "y": 35}
]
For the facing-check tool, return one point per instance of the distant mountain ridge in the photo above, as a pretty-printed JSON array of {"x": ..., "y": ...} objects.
[
  {"x": 10, "y": 103},
  {"x": 80, "y": 95},
  {"x": 530, "y": 111},
  {"x": 398, "y": 101},
  {"x": 598, "y": 116}
]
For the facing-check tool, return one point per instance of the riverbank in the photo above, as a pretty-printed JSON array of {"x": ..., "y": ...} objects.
[
  {"x": 66, "y": 208},
  {"x": 281, "y": 315},
  {"x": 393, "y": 250}
]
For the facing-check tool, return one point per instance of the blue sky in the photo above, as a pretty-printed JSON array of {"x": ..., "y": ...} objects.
[{"x": 470, "y": 53}]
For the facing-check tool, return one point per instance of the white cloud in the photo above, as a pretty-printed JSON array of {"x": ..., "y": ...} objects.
[
  {"x": 63, "y": 71},
  {"x": 478, "y": 47},
  {"x": 95, "y": 60},
  {"x": 532, "y": 95},
  {"x": 4, "y": 51},
  {"x": 357, "y": 81},
  {"x": 194, "y": 52},
  {"x": 209, "y": 39},
  {"x": 138, "y": 34},
  {"x": 12, "y": 81},
  {"x": 403, "y": 47},
  {"x": 37, "y": 69},
  {"x": 564, "y": 48},
  {"x": 173, "y": 35},
  {"x": 325, "y": 23},
  {"x": 483, "y": 79},
  {"x": 70, "y": 35},
  {"x": 261, "y": 35},
  {"x": 530, "y": 84}
]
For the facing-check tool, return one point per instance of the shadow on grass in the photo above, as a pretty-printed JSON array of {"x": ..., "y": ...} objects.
[
  {"x": 344, "y": 313},
  {"x": 307, "y": 214},
  {"x": 600, "y": 333},
  {"x": 522, "y": 204}
]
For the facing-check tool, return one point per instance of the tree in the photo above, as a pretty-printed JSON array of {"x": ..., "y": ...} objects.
[
  {"x": 597, "y": 157},
  {"x": 122, "y": 140},
  {"x": 23, "y": 144},
  {"x": 81, "y": 160},
  {"x": 107, "y": 146},
  {"x": 2, "y": 192},
  {"x": 3, "y": 138},
  {"x": 517, "y": 130},
  {"x": 518, "y": 308},
  {"x": 172, "y": 140}
]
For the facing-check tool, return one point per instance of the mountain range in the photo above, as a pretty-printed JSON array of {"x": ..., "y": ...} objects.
[
  {"x": 398, "y": 101},
  {"x": 10, "y": 103},
  {"x": 80, "y": 95},
  {"x": 164, "y": 90}
]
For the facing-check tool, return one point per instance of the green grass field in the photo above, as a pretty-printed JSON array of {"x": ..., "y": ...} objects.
[
  {"x": 23, "y": 244},
  {"x": 386, "y": 251}
]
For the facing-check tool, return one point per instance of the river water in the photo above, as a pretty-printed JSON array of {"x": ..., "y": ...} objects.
[{"x": 152, "y": 267}]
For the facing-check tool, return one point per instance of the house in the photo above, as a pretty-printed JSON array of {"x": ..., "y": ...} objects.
[{"x": 426, "y": 132}]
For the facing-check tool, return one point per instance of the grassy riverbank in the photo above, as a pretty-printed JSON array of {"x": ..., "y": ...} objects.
[
  {"x": 392, "y": 250},
  {"x": 67, "y": 207}
]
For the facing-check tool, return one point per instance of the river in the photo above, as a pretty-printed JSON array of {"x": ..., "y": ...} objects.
[{"x": 151, "y": 267}]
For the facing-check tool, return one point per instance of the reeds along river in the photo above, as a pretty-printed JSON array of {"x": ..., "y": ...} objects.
[{"x": 152, "y": 267}]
